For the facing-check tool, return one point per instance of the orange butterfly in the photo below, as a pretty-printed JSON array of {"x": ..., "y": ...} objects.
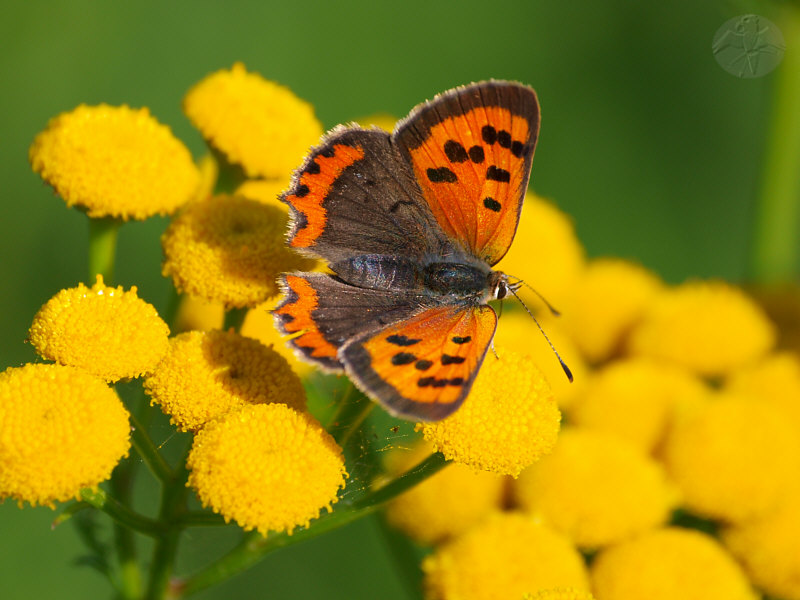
[{"x": 411, "y": 224}]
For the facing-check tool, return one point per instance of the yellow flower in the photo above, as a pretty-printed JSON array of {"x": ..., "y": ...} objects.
[
  {"x": 61, "y": 430},
  {"x": 445, "y": 504},
  {"x": 229, "y": 249},
  {"x": 597, "y": 489},
  {"x": 769, "y": 548},
  {"x": 732, "y": 457},
  {"x": 516, "y": 331},
  {"x": 775, "y": 380},
  {"x": 710, "y": 327},
  {"x": 383, "y": 120},
  {"x": 564, "y": 593},
  {"x": 505, "y": 556},
  {"x": 546, "y": 252},
  {"x": 509, "y": 420},
  {"x": 605, "y": 303},
  {"x": 207, "y": 374},
  {"x": 198, "y": 314},
  {"x": 635, "y": 399},
  {"x": 669, "y": 564},
  {"x": 265, "y": 191},
  {"x": 106, "y": 331},
  {"x": 259, "y": 324},
  {"x": 255, "y": 123},
  {"x": 114, "y": 161},
  {"x": 267, "y": 467}
]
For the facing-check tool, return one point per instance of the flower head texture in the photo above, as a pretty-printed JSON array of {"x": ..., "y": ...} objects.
[
  {"x": 106, "y": 331},
  {"x": 445, "y": 504},
  {"x": 769, "y": 548},
  {"x": 208, "y": 374},
  {"x": 597, "y": 489},
  {"x": 267, "y": 467},
  {"x": 504, "y": 556},
  {"x": 253, "y": 122},
  {"x": 562, "y": 593},
  {"x": 229, "y": 249},
  {"x": 669, "y": 564},
  {"x": 710, "y": 327},
  {"x": 733, "y": 457},
  {"x": 266, "y": 191},
  {"x": 115, "y": 161},
  {"x": 508, "y": 421},
  {"x": 606, "y": 302},
  {"x": 61, "y": 430},
  {"x": 635, "y": 399}
]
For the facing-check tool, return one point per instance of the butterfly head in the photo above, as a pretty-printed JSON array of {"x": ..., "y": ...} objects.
[{"x": 500, "y": 286}]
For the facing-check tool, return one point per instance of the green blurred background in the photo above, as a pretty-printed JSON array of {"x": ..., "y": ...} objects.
[{"x": 652, "y": 148}]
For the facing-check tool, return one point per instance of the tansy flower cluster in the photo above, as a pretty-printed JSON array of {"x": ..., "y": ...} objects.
[{"x": 675, "y": 471}]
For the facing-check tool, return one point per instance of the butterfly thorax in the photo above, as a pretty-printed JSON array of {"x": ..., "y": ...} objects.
[{"x": 453, "y": 279}]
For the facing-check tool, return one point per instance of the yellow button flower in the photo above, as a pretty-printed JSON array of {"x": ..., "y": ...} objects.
[
  {"x": 605, "y": 303},
  {"x": 61, "y": 430},
  {"x": 669, "y": 564},
  {"x": 508, "y": 421},
  {"x": 106, "y": 331},
  {"x": 267, "y": 467},
  {"x": 569, "y": 593},
  {"x": 115, "y": 161},
  {"x": 769, "y": 548},
  {"x": 733, "y": 457},
  {"x": 597, "y": 489},
  {"x": 229, "y": 249},
  {"x": 208, "y": 374},
  {"x": 635, "y": 399},
  {"x": 710, "y": 327},
  {"x": 505, "y": 556},
  {"x": 255, "y": 123},
  {"x": 546, "y": 253},
  {"x": 259, "y": 324},
  {"x": 445, "y": 504},
  {"x": 774, "y": 380},
  {"x": 516, "y": 331}
]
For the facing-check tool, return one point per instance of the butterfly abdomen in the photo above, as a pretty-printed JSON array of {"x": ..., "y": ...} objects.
[{"x": 455, "y": 279}]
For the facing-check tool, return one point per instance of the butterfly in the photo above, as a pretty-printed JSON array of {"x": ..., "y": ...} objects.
[{"x": 410, "y": 224}]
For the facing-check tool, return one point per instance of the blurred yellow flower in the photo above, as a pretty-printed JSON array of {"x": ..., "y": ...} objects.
[
  {"x": 635, "y": 399},
  {"x": 669, "y": 564},
  {"x": 207, "y": 374},
  {"x": 508, "y": 421},
  {"x": 115, "y": 161},
  {"x": 546, "y": 253},
  {"x": 733, "y": 457},
  {"x": 259, "y": 324},
  {"x": 710, "y": 327},
  {"x": 106, "y": 331},
  {"x": 564, "y": 593},
  {"x": 597, "y": 489},
  {"x": 445, "y": 504},
  {"x": 61, "y": 430},
  {"x": 253, "y": 122},
  {"x": 505, "y": 556},
  {"x": 516, "y": 331},
  {"x": 265, "y": 191},
  {"x": 229, "y": 249},
  {"x": 606, "y": 301},
  {"x": 267, "y": 467},
  {"x": 768, "y": 547},
  {"x": 383, "y": 120},
  {"x": 198, "y": 314}
]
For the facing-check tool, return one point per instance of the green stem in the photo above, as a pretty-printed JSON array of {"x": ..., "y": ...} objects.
[
  {"x": 121, "y": 488},
  {"x": 353, "y": 408},
  {"x": 120, "y": 513},
  {"x": 254, "y": 546},
  {"x": 234, "y": 319},
  {"x": 147, "y": 450},
  {"x": 201, "y": 518},
  {"x": 103, "y": 248},
  {"x": 777, "y": 228}
]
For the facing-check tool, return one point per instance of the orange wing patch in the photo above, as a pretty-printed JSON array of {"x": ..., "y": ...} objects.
[
  {"x": 293, "y": 315},
  {"x": 472, "y": 169},
  {"x": 311, "y": 188},
  {"x": 424, "y": 367}
]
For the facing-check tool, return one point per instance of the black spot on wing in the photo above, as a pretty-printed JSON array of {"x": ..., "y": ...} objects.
[
  {"x": 476, "y": 154},
  {"x": 403, "y": 358},
  {"x": 457, "y": 339},
  {"x": 489, "y": 134},
  {"x": 491, "y": 204},
  {"x": 517, "y": 148},
  {"x": 401, "y": 340},
  {"x": 494, "y": 173},
  {"x": 504, "y": 138},
  {"x": 423, "y": 365},
  {"x": 455, "y": 151},
  {"x": 442, "y": 175},
  {"x": 452, "y": 360}
]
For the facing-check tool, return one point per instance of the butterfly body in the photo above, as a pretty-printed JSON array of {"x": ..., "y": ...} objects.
[{"x": 411, "y": 225}]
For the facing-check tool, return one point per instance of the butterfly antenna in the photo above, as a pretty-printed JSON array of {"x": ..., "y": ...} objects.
[
  {"x": 564, "y": 366},
  {"x": 552, "y": 309}
]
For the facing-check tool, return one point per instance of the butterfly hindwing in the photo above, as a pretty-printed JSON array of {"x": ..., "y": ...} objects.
[
  {"x": 323, "y": 312},
  {"x": 471, "y": 150},
  {"x": 422, "y": 367},
  {"x": 355, "y": 195}
]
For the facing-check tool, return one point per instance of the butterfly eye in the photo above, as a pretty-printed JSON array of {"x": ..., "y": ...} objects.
[{"x": 502, "y": 290}]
